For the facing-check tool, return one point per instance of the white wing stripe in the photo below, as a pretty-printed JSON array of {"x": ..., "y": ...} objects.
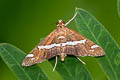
[{"x": 62, "y": 44}]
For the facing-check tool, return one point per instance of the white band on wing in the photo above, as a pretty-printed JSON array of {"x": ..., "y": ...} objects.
[
  {"x": 62, "y": 44},
  {"x": 94, "y": 46}
]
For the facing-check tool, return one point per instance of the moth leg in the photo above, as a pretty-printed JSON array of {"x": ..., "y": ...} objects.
[
  {"x": 55, "y": 64},
  {"x": 80, "y": 60}
]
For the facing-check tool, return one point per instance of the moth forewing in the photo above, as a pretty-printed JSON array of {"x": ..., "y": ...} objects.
[
  {"x": 41, "y": 52},
  {"x": 85, "y": 47}
]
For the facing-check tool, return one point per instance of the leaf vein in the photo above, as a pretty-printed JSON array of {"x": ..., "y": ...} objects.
[{"x": 17, "y": 64}]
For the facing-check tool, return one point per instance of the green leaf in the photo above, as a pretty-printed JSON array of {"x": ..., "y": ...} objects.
[
  {"x": 13, "y": 58},
  {"x": 71, "y": 69},
  {"x": 118, "y": 6},
  {"x": 88, "y": 26}
]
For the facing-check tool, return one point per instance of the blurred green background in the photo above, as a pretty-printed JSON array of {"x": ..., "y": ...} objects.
[{"x": 24, "y": 22}]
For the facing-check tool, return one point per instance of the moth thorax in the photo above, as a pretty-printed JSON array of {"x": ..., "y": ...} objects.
[
  {"x": 63, "y": 55},
  {"x": 60, "y": 23}
]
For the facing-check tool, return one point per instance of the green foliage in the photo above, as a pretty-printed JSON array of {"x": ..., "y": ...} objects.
[
  {"x": 71, "y": 69},
  {"x": 88, "y": 26},
  {"x": 118, "y": 6},
  {"x": 13, "y": 57}
]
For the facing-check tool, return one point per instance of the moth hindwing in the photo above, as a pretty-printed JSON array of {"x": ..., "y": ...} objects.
[{"x": 62, "y": 41}]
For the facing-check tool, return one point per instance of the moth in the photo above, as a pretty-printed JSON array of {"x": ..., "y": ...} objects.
[{"x": 62, "y": 41}]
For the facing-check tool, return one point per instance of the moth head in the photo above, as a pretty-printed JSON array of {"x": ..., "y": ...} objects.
[{"x": 60, "y": 23}]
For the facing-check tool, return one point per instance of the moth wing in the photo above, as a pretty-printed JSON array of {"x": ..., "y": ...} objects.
[
  {"x": 85, "y": 48},
  {"x": 38, "y": 56}
]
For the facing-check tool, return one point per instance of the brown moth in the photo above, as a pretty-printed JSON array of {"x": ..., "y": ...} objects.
[{"x": 62, "y": 41}]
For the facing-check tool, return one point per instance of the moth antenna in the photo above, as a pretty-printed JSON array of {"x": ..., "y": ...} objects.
[
  {"x": 55, "y": 64},
  {"x": 71, "y": 19},
  {"x": 81, "y": 60}
]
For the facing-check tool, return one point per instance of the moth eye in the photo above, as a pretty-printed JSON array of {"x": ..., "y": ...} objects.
[
  {"x": 60, "y": 23},
  {"x": 57, "y": 23}
]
